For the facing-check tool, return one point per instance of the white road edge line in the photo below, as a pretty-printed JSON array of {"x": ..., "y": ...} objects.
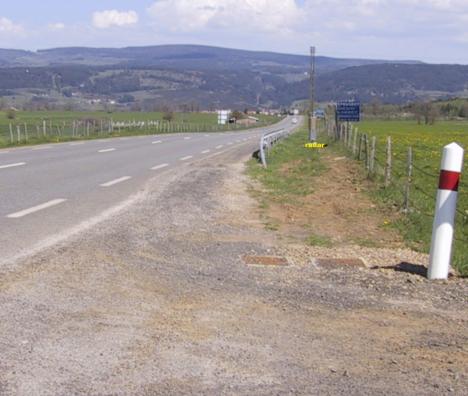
[
  {"x": 12, "y": 165},
  {"x": 116, "y": 181},
  {"x": 186, "y": 158},
  {"x": 106, "y": 150},
  {"x": 156, "y": 142},
  {"x": 159, "y": 166},
  {"x": 205, "y": 151},
  {"x": 187, "y": 138},
  {"x": 34, "y": 209},
  {"x": 76, "y": 144}
]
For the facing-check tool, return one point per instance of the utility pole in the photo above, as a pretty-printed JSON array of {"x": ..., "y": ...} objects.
[{"x": 312, "y": 119}]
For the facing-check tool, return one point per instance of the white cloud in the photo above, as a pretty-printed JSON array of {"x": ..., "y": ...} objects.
[
  {"x": 108, "y": 18},
  {"x": 192, "y": 15},
  {"x": 7, "y": 26},
  {"x": 56, "y": 26}
]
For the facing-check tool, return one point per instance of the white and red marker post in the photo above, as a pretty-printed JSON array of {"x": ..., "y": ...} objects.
[{"x": 446, "y": 204}]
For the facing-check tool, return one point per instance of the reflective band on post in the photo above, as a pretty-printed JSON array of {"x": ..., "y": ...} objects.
[{"x": 449, "y": 180}]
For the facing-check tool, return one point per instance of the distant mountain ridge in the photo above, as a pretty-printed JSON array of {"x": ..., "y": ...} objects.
[
  {"x": 173, "y": 55},
  {"x": 213, "y": 77}
]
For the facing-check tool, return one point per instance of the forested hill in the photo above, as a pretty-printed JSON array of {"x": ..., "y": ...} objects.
[
  {"x": 395, "y": 83},
  {"x": 214, "y": 77}
]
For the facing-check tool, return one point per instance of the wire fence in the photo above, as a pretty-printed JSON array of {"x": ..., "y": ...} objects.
[
  {"x": 18, "y": 133},
  {"x": 404, "y": 179}
]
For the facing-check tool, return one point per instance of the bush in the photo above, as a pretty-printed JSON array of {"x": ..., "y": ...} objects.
[
  {"x": 11, "y": 114},
  {"x": 168, "y": 115}
]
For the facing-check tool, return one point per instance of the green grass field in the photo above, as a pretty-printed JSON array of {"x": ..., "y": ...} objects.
[
  {"x": 427, "y": 142},
  {"x": 64, "y": 126},
  {"x": 34, "y": 117}
]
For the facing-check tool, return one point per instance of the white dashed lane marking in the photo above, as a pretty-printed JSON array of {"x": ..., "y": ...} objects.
[
  {"x": 12, "y": 165},
  {"x": 35, "y": 209},
  {"x": 218, "y": 147},
  {"x": 42, "y": 148},
  {"x": 77, "y": 144},
  {"x": 116, "y": 181},
  {"x": 205, "y": 151},
  {"x": 106, "y": 150},
  {"x": 156, "y": 142},
  {"x": 161, "y": 166},
  {"x": 186, "y": 158}
]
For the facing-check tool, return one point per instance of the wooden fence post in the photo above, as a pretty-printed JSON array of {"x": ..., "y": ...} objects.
[
  {"x": 409, "y": 175},
  {"x": 388, "y": 164},
  {"x": 360, "y": 147},
  {"x": 366, "y": 145},
  {"x": 372, "y": 156},
  {"x": 355, "y": 142}
]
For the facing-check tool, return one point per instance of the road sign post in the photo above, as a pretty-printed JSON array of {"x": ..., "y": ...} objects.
[{"x": 313, "y": 128}]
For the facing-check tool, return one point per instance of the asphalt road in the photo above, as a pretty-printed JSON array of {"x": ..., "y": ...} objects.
[{"x": 50, "y": 191}]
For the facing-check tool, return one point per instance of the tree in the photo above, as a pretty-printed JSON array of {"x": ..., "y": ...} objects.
[
  {"x": 375, "y": 106},
  {"x": 168, "y": 115},
  {"x": 11, "y": 114},
  {"x": 238, "y": 115},
  {"x": 426, "y": 111},
  {"x": 463, "y": 112}
]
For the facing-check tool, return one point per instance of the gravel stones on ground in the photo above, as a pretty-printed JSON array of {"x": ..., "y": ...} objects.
[{"x": 158, "y": 301}]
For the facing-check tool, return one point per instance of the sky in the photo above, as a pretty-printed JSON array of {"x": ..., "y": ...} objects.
[{"x": 433, "y": 31}]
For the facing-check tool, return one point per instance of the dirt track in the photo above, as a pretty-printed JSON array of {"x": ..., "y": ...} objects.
[{"x": 158, "y": 301}]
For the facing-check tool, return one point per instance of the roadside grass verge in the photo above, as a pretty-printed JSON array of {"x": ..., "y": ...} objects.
[
  {"x": 291, "y": 169},
  {"x": 289, "y": 177}
]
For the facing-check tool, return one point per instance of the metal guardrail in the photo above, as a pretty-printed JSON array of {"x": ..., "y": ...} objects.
[{"x": 269, "y": 139}]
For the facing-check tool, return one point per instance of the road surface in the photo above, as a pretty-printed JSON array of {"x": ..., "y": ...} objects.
[{"x": 51, "y": 191}]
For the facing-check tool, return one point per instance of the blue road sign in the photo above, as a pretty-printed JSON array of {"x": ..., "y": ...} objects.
[{"x": 348, "y": 110}]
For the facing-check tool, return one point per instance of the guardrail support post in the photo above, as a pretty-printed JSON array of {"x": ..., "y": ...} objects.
[{"x": 444, "y": 219}]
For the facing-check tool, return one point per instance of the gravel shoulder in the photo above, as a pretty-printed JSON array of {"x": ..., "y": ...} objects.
[{"x": 157, "y": 300}]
